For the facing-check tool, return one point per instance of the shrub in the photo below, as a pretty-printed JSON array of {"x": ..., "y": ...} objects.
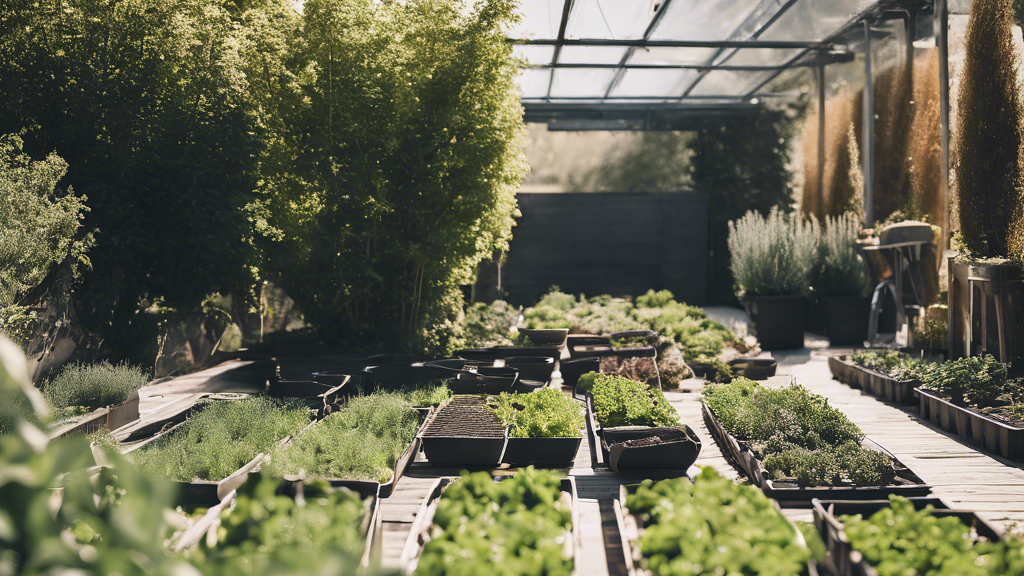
[
  {"x": 838, "y": 269},
  {"x": 654, "y": 299},
  {"x": 546, "y": 413},
  {"x": 93, "y": 385},
  {"x": 620, "y": 401},
  {"x": 990, "y": 135},
  {"x": 772, "y": 255},
  {"x": 713, "y": 524},
  {"x": 221, "y": 438},
  {"x": 488, "y": 325},
  {"x": 362, "y": 441},
  {"x": 972, "y": 380}
]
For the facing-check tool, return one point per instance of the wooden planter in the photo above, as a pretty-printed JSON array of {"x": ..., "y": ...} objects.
[
  {"x": 631, "y": 528},
  {"x": 107, "y": 418},
  {"x": 988, "y": 433},
  {"x": 875, "y": 383},
  {"x": 419, "y": 534},
  {"x": 840, "y": 557},
  {"x": 908, "y": 484}
]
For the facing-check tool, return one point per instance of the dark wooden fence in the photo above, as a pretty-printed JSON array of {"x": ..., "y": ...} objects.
[{"x": 604, "y": 243}]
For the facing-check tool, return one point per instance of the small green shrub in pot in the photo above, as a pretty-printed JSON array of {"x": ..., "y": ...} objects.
[{"x": 771, "y": 255}]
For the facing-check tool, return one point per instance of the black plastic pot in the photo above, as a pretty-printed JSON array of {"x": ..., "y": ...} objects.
[
  {"x": 532, "y": 367},
  {"x": 676, "y": 449},
  {"x": 779, "y": 321},
  {"x": 846, "y": 319},
  {"x": 545, "y": 337},
  {"x": 503, "y": 352},
  {"x": 572, "y": 369},
  {"x": 753, "y": 368},
  {"x": 546, "y": 452}
]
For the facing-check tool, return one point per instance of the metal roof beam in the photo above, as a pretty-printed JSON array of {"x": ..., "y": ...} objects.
[
  {"x": 566, "y": 8},
  {"x": 777, "y": 44},
  {"x": 632, "y": 49}
]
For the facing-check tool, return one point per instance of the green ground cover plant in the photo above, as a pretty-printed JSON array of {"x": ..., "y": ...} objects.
[
  {"x": 488, "y": 325},
  {"x": 900, "y": 540},
  {"x": 79, "y": 388},
  {"x": 546, "y": 413},
  {"x": 362, "y": 441},
  {"x": 221, "y": 438},
  {"x": 713, "y": 526},
  {"x": 891, "y": 363},
  {"x": 620, "y": 401},
  {"x": 797, "y": 434},
  {"x": 980, "y": 381},
  {"x": 516, "y": 527}
]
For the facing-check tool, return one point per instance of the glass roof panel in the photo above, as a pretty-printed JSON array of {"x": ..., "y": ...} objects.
[
  {"x": 703, "y": 19},
  {"x": 581, "y": 82},
  {"x": 648, "y": 82},
  {"x": 660, "y": 55},
  {"x": 534, "y": 54},
  {"x": 540, "y": 19},
  {"x": 591, "y": 54},
  {"x": 815, "y": 20},
  {"x": 534, "y": 82},
  {"x": 728, "y": 83},
  {"x": 758, "y": 56},
  {"x": 610, "y": 19}
]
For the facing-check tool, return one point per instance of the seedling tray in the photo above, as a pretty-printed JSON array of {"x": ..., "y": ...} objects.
[
  {"x": 843, "y": 560},
  {"x": 106, "y": 418},
  {"x": 503, "y": 352},
  {"x": 908, "y": 484},
  {"x": 622, "y": 448},
  {"x": 631, "y": 528},
  {"x": 419, "y": 535},
  {"x": 370, "y": 527},
  {"x": 464, "y": 432},
  {"x": 874, "y": 383},
  {"x": 542, "y": 452},
  {"x": 990, "y": 434}
]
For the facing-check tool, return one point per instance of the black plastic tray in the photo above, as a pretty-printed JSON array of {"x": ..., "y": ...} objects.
[
  {"x": 843, "y": 560},
  {"x": 463, "y": 450},
  {"x": 740, "y": 453},
  {"x": 991, "y": 434},
  {"x": 503, "y": 352},
  {"x": 678, "y": 452},
  {"x": 541, "y": 452}
]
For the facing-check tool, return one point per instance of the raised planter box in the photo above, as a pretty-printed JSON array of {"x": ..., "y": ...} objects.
[
  {"x": 842, "y": 560},
  {"x": 541, "y": 452},
  {"x": 987, "y": 432},
  {"x": 419, "y": 535},
  {"x": 907, "y": 483},
  {"x": 107, "y": 418},
  {"x": 875, "y": 383},
  {"x": 631, "y": 528},
  {"x": 370, "y": 528},
  {"x": 624, "y": 448},
  {"x": 464, "y": 433},
  {"x": 779, "y": 321}
]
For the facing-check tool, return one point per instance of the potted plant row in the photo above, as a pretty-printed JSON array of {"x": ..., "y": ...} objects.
[
  {"x": 885, "y": 374},
  {"x": 268, "y": 516},
  {"x": 910, "y": 536},
  {"x": 977, "y": 399},
  {"x": 633, "y": 427},
  {"x": 711, "y": 525},
  {"x": 794, "y": 446},
  {"x": 526, "y": 523}
]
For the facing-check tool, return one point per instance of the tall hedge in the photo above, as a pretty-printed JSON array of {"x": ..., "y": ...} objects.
[{"x": 990, "y": 133}]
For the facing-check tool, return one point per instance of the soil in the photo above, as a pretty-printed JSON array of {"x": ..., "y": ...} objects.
[{"x": 466, "y": 417}]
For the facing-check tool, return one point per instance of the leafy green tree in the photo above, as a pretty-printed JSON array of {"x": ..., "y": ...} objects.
[
  {"x": 398, "y": 171},
  {"x": 161, "y": 111},
  {"x": 39, "y": 224}
]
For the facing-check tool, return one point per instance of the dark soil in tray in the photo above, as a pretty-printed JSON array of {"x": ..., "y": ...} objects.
[{"x": 466, "y": 416}]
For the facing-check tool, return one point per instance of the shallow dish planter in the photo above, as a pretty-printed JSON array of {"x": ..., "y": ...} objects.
[
  {"x": 106, "y": 418},
  {"x": 464, "y": 432},
  {"x": 546, "y": 336},
  {"x": 875, "y": 383},
  {"x": 419, "y": 534},
  {"x": 753, "y": 368},
  {"x": 907, "y": 483},
  {"x": 846, "y": 320},
  {"x": 641, "y": 447},
  {"x": 843, "y": 560},
  {"x": 991, "y": 434},
  {"x": 779, "y": 321},
  {"x": 503, "y": 352}
]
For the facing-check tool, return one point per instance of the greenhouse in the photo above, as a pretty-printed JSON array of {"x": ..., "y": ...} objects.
[{"x": 513, "y": 287}]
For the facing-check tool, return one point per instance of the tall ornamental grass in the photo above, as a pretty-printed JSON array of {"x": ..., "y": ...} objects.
[{"x": 771, "y": 255}]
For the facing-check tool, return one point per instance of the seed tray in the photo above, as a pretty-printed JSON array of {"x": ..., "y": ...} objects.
[
  {"x": 991, "y": 434},
  {"x": 907, "y": 483},
  {"x": 874, "y": 383},
  {"x": 464, "y": 432}
]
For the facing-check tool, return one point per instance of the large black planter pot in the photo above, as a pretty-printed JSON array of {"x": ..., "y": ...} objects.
[
  {"x": 779, "y": 321},
  {"x": 846, "y": 319}
]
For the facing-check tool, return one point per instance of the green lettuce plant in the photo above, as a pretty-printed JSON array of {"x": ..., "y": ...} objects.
[
  {"x": 620, "y": 401},
  {"x": 546, "y": 413}
]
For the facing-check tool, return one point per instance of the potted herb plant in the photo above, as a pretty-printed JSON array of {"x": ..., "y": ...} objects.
[
  {"x": 771, "y": 260},
  {"x": 839, "y": 281}
]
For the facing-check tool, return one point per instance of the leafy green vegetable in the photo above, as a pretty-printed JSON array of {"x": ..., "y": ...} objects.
[
  {"x": 362, "y": 441},
  {"x": 973, "y": 380},
  {"x": 221, "y": 438},
  {"x": 713, "y": 526},
  {"x": 620, "y": 401},
  {"x": 546, "y": 413},
  {"x": 516, "y": 527},
  {"x": 798, "y": 434},
  {"x": 899, "y": 540}
]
